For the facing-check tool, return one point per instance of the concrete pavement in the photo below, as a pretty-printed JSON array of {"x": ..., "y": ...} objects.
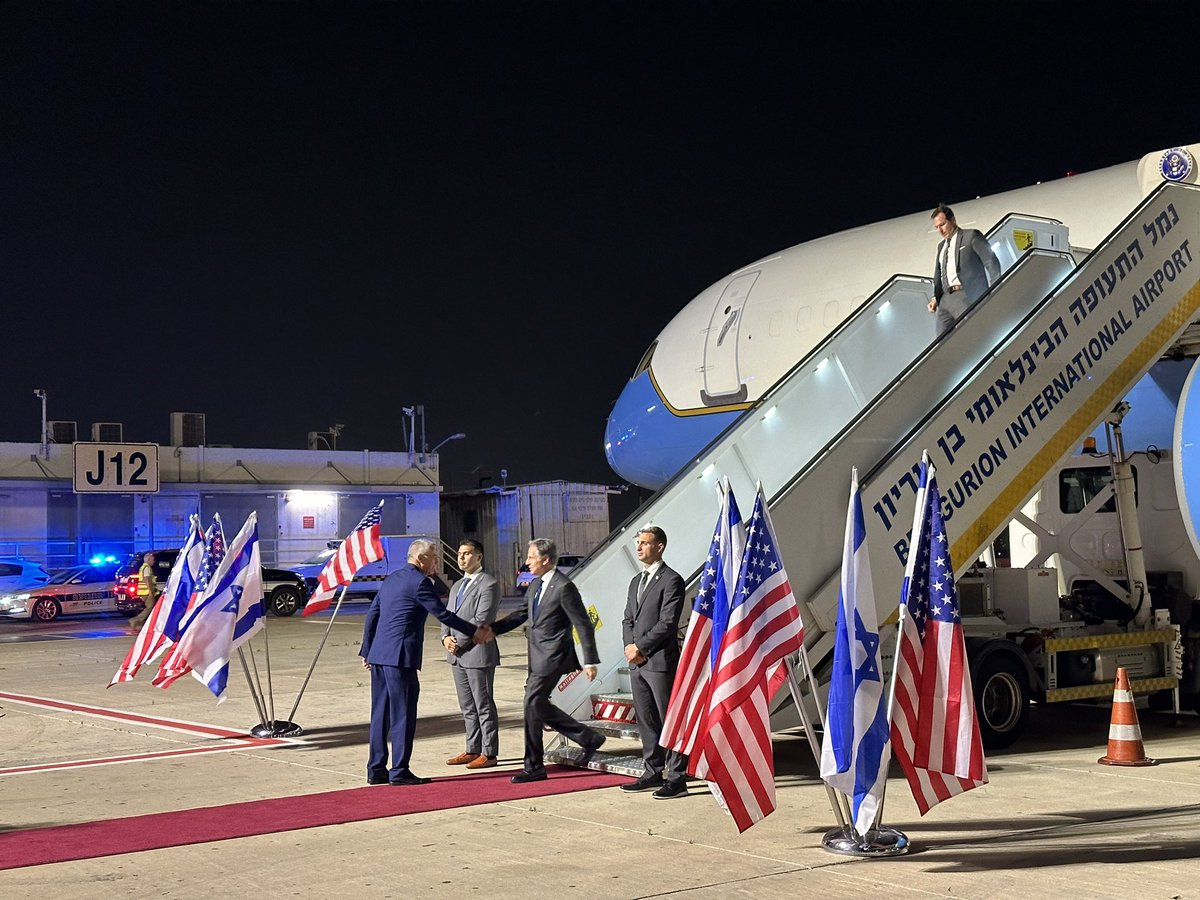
[{"x": 1051, "y": 822}]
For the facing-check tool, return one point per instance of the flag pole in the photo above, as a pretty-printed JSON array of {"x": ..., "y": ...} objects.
[
  {"x": 260, "y": 730},
  {"x": 320, "y": 647},
  {"x": 794, "y": 687}
]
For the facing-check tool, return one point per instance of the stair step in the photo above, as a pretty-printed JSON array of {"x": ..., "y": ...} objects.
[
  {"x": 614, "y": 729},
  {"x": 616, "y": 763}
]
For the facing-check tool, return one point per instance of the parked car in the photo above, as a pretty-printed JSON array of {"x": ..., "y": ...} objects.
[
  {"x": 566, "y": 562},
  {"x": 367, "y": 579},
  {"x": 81, "y": 589},
  {"x": 17, "y": 573},
  {"x": 284, "y": 591}
]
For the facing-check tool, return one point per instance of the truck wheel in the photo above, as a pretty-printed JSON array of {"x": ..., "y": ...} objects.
[
  {"x": 45, "y": 609},
  {"x": 1001, "y": 700},
  {"x": 284, "y": 600}
]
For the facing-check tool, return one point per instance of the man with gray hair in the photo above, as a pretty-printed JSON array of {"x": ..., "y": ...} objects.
[
  {"x": 393, "y": 642},
  {"x": 553, "y": 607}
]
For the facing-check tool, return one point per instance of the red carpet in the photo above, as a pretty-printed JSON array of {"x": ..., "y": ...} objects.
[{"x": 86, "y": 840}]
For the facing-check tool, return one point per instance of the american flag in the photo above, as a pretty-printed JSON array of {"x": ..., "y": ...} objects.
[
  {"x": 162, "y": 628},
  {"x": 175, "y": 666},
  {"x": 683, "y": 724},
  {"x": 935, "y": 733},
  {"x": 362, "y": 546},
  {"x": 764, "y": 629}
]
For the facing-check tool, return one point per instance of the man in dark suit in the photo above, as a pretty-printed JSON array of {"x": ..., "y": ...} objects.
[
  {"x": 475, "y": 599},
  {"x": 650, "y": 631},
  {"x": 393, "y": 641},
  {"x": 553, "y": 607},
  {"x": 964, "y": 269}
]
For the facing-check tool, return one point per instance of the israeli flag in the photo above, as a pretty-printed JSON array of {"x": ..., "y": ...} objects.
[
  {"x": 228, "y": 613},
  {"x": 857, "y": 746}
]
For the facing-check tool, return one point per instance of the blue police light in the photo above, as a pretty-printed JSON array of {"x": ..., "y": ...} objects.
[{"x": 103, "y": 559}]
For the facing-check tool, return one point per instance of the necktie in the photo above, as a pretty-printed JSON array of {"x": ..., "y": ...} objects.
[
  {"x": 462, "y": 589},
  {"x": 537, "y": 594},
  {"x": 642, "y": 589}
]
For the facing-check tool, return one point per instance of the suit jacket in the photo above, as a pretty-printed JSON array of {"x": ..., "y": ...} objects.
[
  {"x": 394, "y": 631},
  {"x": 479, "y": 605},
  {"x": 977, "y": 265},
  {"x": 654, "y": 625},
  {"x": 551, "y": 646}
]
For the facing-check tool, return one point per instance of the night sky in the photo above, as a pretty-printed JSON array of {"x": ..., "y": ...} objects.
[{"x": 290, "y": 215}]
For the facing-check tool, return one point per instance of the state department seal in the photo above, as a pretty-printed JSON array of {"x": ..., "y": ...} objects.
[{"x": 1176, "y": 164}]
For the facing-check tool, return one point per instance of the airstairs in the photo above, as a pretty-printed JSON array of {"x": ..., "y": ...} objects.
[{"x": 998, "y": 401}]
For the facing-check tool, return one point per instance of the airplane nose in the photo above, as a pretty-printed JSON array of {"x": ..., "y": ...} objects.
[{"x": 647, "y": 443}]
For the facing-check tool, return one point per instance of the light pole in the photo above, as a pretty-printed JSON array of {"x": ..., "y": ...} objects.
[
  {"x": 454, "y": 437},
  {"x": 41, "y": 393}
]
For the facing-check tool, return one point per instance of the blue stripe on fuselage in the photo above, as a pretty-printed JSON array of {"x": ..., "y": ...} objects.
[{"x": 646, "y": 443}]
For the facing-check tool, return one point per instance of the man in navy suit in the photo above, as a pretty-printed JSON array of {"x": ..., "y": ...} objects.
[
  {"x": 553, "y": 608},
  {"x": 651, "y": 633},
  {"x": 965, "y": 267},
  {"x": 393, "y": 641}
]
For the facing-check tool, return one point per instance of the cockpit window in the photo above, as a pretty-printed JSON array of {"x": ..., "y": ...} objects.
[{"x": 645, "y": 362}]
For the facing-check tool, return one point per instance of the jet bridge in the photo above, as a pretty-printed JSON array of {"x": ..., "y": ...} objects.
[{"x": 998, "y": 401}]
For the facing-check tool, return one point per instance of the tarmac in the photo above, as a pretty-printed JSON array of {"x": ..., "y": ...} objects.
[{"x": 1052, "y": 822}]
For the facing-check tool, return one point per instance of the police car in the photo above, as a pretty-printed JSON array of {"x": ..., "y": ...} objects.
[{"x": 82, "y": 589}]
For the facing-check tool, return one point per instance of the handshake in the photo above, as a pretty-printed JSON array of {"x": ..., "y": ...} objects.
[{"x": 483, "y": 634}]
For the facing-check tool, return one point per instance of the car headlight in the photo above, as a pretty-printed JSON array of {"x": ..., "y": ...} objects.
[{"x": 14, "y": 602}]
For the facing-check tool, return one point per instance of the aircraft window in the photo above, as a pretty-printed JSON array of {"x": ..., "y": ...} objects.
[
  {"x": 1076, "y": 488},
  {"x": 645, "y": 362}
]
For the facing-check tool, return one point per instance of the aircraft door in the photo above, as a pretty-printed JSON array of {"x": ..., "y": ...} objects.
[{"x": 722, "y": 377}]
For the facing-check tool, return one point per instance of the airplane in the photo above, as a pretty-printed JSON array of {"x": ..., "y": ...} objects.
[{"x": 737, "y": 339}]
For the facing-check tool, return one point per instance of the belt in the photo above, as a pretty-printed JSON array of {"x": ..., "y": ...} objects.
[{"x": 955, "y": 289}]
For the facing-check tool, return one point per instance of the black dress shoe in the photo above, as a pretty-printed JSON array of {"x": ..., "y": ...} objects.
[
  {"x": 590, "y": 751},
  {"x": 408, "y": 780},
  {"x": 526, "y": 777},
  {"x": 642, "y": 784},
  {"x": 670, "y": 790},
  {"x": 377, "y": 779}
]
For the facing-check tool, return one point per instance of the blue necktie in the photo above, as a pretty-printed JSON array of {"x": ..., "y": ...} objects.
[
  {"x": 537, "y": 593},
  {"x": 462, "y": 589}
]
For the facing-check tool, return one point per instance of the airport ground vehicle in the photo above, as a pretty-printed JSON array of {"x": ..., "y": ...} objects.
[
  {"x": 16, "y": 572},
  {"x": 81, "y": 589},
  {"x": 284, "y": 591},
  {"x": 367, "y": 579},
  {"x": 1074, "y": 328}
]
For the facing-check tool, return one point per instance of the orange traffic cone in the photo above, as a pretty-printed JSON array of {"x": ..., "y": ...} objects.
[{"x": 1124, "y": 734}]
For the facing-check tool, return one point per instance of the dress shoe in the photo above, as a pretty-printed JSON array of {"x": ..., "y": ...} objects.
[
  {"x": 377, "y": 779},
  {"x": 408, "y": 780},
  {"x": 671, "y": 790},
  {"x": 643, "y": 784},
  {"x": 590, "y": 751},
  {"x": 462, "y": 759},
  {"x": 482, "y": 762},
  {"x": 527, "y": 777}
]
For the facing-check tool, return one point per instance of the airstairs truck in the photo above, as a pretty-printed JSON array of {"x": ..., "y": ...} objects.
[{"x": 1001, "y": 403}]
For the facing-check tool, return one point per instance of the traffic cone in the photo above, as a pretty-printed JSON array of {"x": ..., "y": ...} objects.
[{"x": 1124, "y": 734}]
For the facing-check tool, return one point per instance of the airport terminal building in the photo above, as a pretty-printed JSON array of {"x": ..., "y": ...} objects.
[{"x": 303, "y": 498}]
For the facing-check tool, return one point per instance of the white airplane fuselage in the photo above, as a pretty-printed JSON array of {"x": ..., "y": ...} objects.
[{"x": 734, "y": 341}]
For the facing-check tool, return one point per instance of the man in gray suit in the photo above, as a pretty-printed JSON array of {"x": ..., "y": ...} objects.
[
  {"x": 650, "y": 630},
  {"x": 476, "y": 599},
  {"x": 964, "y": 269},
  {"x": 552, "y": 609}
]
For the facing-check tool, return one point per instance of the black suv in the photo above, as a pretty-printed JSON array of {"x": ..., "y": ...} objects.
[{"x": 285, "y": 591}]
